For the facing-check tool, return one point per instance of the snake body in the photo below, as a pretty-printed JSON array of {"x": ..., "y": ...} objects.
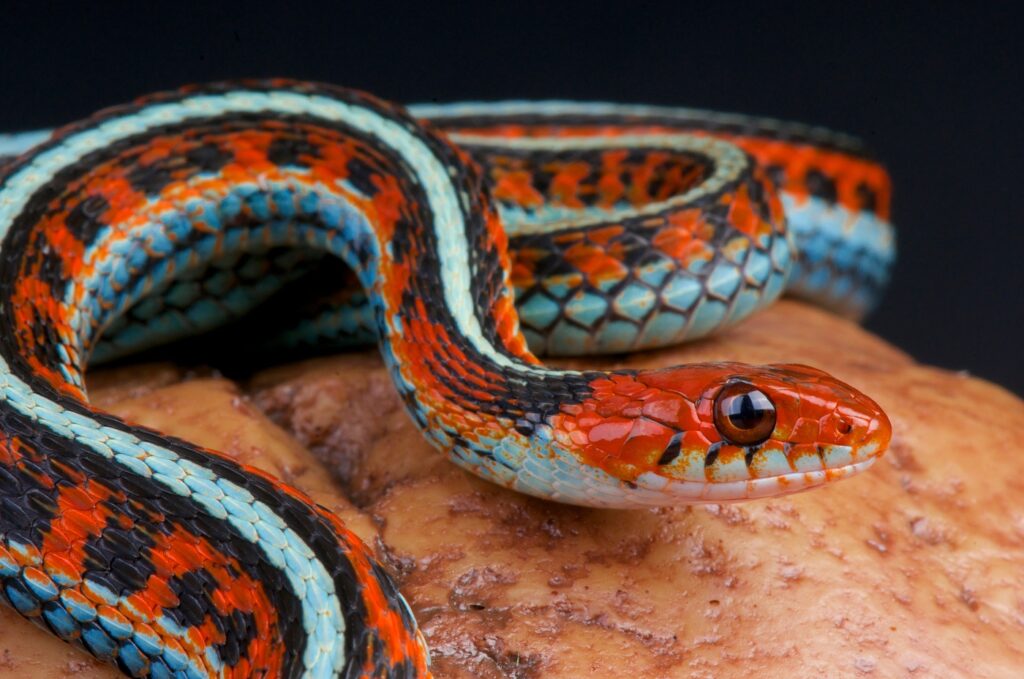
[{"x": 172, "y": 560}]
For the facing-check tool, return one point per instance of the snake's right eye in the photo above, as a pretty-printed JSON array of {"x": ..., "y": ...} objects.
[{"x": 744, "y": 415}]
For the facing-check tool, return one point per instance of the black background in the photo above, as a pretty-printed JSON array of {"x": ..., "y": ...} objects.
[{"x": 935, "y": 90}]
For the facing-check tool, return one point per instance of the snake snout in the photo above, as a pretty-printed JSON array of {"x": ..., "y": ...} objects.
[
  {"x": 846, "y": 426},
  {"x": 872, "y": 429}
]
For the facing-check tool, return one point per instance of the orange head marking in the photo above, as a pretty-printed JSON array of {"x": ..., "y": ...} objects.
[{"x": 725, "y": 431}]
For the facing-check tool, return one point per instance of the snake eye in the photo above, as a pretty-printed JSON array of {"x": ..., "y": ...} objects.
[{"x": 744, "y": 416}]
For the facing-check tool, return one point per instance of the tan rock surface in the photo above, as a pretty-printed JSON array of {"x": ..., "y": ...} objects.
[{"x": 915, "y": 568}]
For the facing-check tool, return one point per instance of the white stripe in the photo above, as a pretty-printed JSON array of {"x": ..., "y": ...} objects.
[
  {"x": 19, "y": 142},
  {"x": 433, "y": 174},
  {"x": 556, "y": 107}
]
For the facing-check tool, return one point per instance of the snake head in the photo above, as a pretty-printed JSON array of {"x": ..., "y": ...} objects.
[{"x": 724, "y": 431}]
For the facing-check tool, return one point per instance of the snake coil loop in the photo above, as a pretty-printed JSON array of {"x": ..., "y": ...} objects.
[{"x": 610, "y": 227}]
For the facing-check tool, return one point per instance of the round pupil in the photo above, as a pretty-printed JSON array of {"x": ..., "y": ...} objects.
[
  {"x": 746, "y": 411},
  {"x": 744, "y": 415}
]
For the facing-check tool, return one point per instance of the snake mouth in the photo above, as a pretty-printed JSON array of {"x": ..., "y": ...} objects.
[{"x": 661, "y": 491}]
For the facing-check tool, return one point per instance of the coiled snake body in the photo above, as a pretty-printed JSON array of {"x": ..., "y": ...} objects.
[{"x": 161, "y": 218}]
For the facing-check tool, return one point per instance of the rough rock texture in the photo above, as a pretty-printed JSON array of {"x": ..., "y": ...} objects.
[{"x": 915, "y": 568}]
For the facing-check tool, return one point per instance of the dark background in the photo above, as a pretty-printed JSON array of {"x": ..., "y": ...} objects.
[{"x": 934, "y": 89}]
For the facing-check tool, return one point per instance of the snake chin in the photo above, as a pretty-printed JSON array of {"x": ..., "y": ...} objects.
[{"x": 693, "y": 492}]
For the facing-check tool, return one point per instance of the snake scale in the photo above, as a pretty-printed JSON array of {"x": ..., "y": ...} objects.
[{"x": 611, "y": 227}]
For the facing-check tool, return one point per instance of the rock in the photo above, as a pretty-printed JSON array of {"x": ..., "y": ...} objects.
[{"x": 914, "y": 568}]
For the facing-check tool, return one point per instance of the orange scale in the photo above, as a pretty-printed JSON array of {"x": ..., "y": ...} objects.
[
  {"x": 8, "y": 454},
  {"x": 646, "y": 443},
  {"x": 517, "y": 187},
  {"x": 57, "y": 539},
  {"x": 183, "y": 553},
  {"x": 174, "y": 646},
  {"x": 595, "y": 263},
  {"x": 76, "y": 598},
  {"x": 679, "y": 181},
  {"x": 727, "y": 454},
  {"x": 38, "y": 476},
  {"x": 165, "y": 563},
  {"x": 85, "y": 521},
  {"x": 252, "y": 159},
  {"x": 805, "y": 430},
  {"x": 611, "y": 160},
  {"x": 610, "y": 435},
  {"x": 648, "y": 393},
  {"x": 567, "y": 238},
  {"x": 671, "y": 410},
  {"x": 612, "y": 405},
  {"x": 207, "y": 552},
  {"x": 698, "y": 251},
  {"x": 196, "y": 640},
  {"x": 240, "y": 595},
  {"x": 709, "y": 431},
  {"x": 211, "y": 634},
  {"x": 697, "y": 440},
  {"x": 664, "y": 407},
  {"x": 233, "y": 173},
  {"x": 36, "y": 576},
  {"x": 113, "y": 614},
  {"x": 812, "y": 408},
  {"x": 92, "y": 595},
  {"x": 6, "y": 555},
  {"x": 627, "y": 384},
  {"x": 147, "y": 631},
  {"x": 578, "y": 437},
  {"x": 834, "y": 428},
  {"x": 633, "y": 409},
  {"x": 691, "y": 418},
  {"x": 744, "y": 218},
  {"x": 158, "y": 150},
  {"x": 241, "y": 669},
  {"x": 589, "y": 418},
  {"x": 144, "y": 607},
  {"x": 60, "y": 566},
  {"x": 605, "y": 235},
  {"x": 610, "y": 190}
]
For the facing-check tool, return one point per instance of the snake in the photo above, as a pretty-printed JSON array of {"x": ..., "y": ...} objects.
[{"x": 479, "y": 236}]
